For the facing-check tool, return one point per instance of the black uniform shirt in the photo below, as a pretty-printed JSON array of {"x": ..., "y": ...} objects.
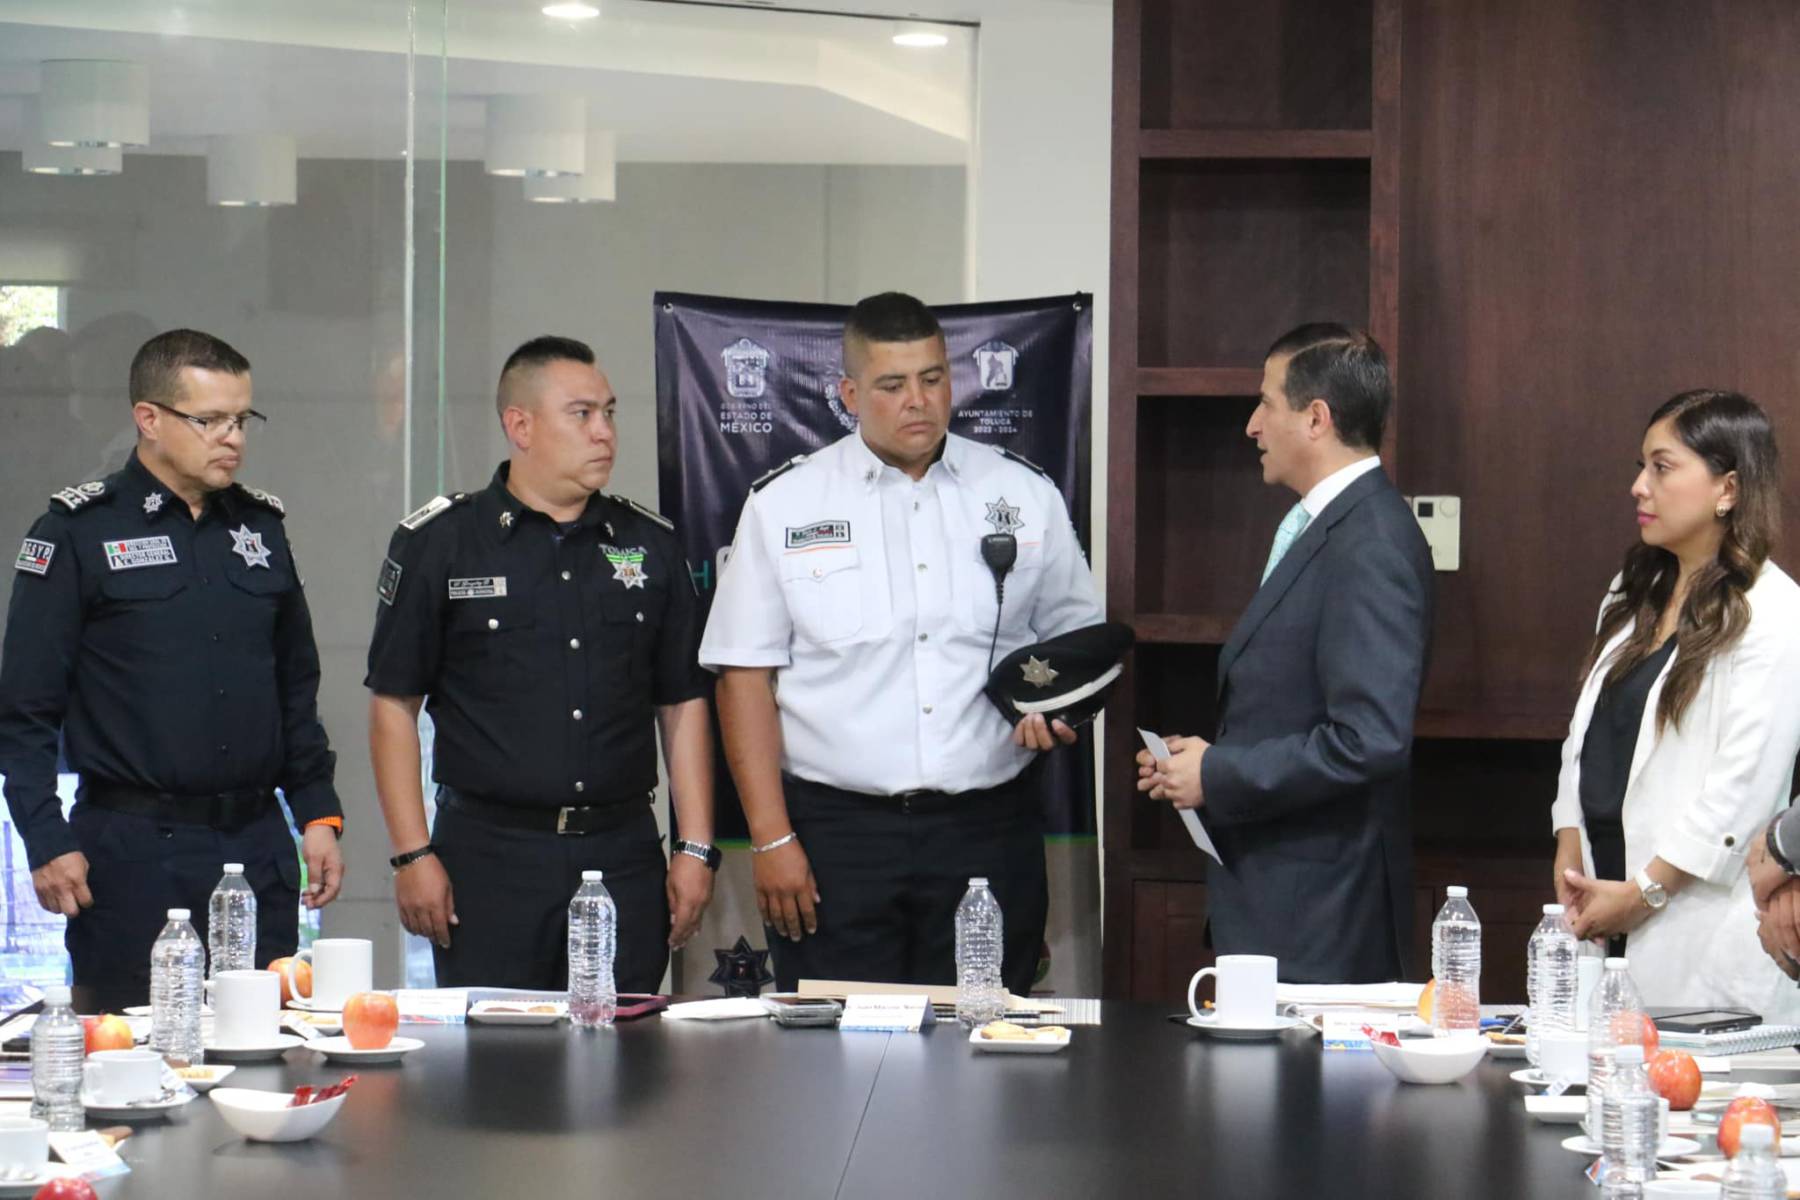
[
  {"x": 175, "y": 655},
  {"x": 544, "y": 652}
]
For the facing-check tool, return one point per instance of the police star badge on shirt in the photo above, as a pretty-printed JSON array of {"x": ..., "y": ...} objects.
[
  {"x": 34, "y": 557},
  {"x": 247, "y": 544},
  {"x": 132, "y": 553},
  {"x": 628, "y": 564}
]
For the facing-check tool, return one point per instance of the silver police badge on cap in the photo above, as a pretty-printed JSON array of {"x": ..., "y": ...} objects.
[
  {"x": 994, "y": 364},
  {"x": 745, "y": 365},
  {"x": 1038, "y": 672}
]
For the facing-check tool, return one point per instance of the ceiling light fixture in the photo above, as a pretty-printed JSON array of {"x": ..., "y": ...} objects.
[
  {"x": 94, "y": 102},
  {"x": 536, "y": 135},
  {"x": 920, "y": 39},
  {"x": 571, "y": 12},
  {"x": 598, "y": 182},
  {"x": 250, "y": 170}
]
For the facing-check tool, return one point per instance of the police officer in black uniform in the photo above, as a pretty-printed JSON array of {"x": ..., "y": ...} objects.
[
  {"x": 158, "y": 623},
  {"x": 553, "y": 628}
]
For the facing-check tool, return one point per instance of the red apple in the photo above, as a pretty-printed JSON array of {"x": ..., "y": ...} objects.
[
  {"x": 1745, "y": 1110},
  {"x": 107, "y": 1032},
  {"x": 67, "y": 1187},
  {"x": 1675, "y": 1076},
  {"x": 370, "y": 1019}
]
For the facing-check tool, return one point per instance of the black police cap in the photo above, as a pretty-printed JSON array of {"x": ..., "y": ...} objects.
[{"x": 1066, "y": 678}]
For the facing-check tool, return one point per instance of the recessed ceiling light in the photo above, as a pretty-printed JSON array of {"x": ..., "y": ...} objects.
[
  {"x": 920, "y": 39},
  {"x": 571, "y": 12}
]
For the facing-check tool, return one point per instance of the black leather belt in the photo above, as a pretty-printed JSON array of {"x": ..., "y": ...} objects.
[
  {"x": 219, "y": 810},
  {"x": 593, "y": 818},
  {"x": 921, "y": 801}
]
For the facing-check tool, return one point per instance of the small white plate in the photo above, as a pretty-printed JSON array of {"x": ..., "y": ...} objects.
[
  {"x": 1019, "y": 1045},
  {"x": 139, "y": 1112},
  {"x": 507, "y": 1012},
  {"x": 1672, "y": 1147},
  {"x": 37, "y": 1179},
  {"x": 339, "y": 1049},
  {"x": 1505, "y": 1049},
  {"x": 322, "y": 1022},
  {"x": 1246, "y": 1033},
  {"x": 274, "y": 1049},
  {"x": 307, "y": 1004},
  {"x": 143, "y": 1010},
  {"x": 1534, "y": 1078},
  {"x": 1557, "y": 1110},
  {"x": 216, "y": 1073}
]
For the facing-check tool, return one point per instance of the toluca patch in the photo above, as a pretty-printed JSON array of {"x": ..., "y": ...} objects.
[
  {"x": 628, "y": 564},
  {"x": 430, "y": 510},
  {"x": 478, "y": 589},
  {"x": 819, "y": 533},
  {"x": 132, "y": 553},
  {"x": 34, "y": 556},
  {"x": 387, "y": 584}
]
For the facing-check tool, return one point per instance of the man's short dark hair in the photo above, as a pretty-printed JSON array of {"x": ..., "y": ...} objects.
[
  {"x": 156, "y": 367},
  {"x": 1345, "y": 368},
  {"x": 541, "y": 352},
  {"x": 888, "y": 317}
]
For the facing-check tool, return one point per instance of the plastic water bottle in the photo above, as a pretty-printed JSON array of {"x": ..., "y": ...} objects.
[
  {"x": 1550, "y": 979},
  {"x": 58, "y": 1045},
  {"x": 231, "y": 924},
  {"x": 1630, "y": 1123},
  {"x": 593, "y": 938},
  {"x": 1456, "y": 965},
  {"x": 177, "y": 964},
  {"x": 980, "y": 930},
  {"x": 1616, "y": 1016},
  {"x": 1754, "y": 1172}
]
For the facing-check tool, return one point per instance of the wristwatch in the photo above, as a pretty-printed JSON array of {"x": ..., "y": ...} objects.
[
  {"x": 1773, "y": 842},
  {"x": 1655, "y": 895},
  {"x": 710, "y": 855},
  {"x": 411, "y": 856}
]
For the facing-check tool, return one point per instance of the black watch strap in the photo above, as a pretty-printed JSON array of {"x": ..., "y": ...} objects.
[
  {"x": 411, "y": 856},
  {"x": 1774, "y": 846},
  {"x": 711, "y": 855}
]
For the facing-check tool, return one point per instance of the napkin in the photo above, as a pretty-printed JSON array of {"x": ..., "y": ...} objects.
[{"x": 726, "y": 1008}]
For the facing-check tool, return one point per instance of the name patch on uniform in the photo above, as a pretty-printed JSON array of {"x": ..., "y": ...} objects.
[
  {"x": 819, "y": 533},
  {"x": 387, "y": 584},
  {"x": 478, "y": 589},
  {"x": 139, "y": 552},
  {"x": 34, "y": 556}
]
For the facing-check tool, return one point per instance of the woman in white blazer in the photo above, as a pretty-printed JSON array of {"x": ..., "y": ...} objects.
[{"x": 1683, "y": 741}]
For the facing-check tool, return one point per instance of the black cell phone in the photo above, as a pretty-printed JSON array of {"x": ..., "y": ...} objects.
[{"x": 1709, "y": 1020}]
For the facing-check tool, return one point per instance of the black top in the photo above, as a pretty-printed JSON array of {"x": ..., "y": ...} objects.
[
  {"x": 543, "y": 652},
  {"x": 174, "y": 655},
  {"x": 1606, "y": 754}
]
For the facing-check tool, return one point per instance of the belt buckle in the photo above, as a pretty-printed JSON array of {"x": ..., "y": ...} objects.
[{"x": 562, "y": 819}]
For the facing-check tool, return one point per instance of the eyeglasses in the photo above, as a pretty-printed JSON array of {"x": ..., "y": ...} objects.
[{"x": 219, "y": 426}]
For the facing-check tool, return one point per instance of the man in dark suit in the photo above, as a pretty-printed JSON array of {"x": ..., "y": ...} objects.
[{"x": 1304, "y": 789}]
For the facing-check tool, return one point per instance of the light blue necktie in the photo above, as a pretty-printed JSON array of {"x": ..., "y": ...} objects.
[{"x": 1290, "y": 528}]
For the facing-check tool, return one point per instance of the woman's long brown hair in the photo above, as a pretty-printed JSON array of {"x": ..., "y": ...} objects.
[{"x": 1730, "y": 433}]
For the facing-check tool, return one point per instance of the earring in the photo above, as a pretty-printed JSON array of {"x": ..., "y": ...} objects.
[{"x": 1724, "y": 510}]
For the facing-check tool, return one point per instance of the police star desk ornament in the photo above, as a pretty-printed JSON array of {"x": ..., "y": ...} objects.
[
  {"x": 1066, "y": 678},
  {"x": 742, "y": 970}
]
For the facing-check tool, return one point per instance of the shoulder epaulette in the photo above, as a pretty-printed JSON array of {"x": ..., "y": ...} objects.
[
  {"x": 1022, "y": 461},
  {"x": 431, "y": 510},
  {"x": 651, "y": 513},
  {"x": 771, "y": 476},
  {"x": 79, "y": 496},
  {"x": 268, "y": 500}
]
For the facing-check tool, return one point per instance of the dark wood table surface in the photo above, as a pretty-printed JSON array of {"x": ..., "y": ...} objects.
[{"x": 1137, "y": 1106}]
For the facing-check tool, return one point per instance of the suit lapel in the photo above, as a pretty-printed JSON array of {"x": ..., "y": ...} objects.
[
  {"x": 1309, "y": 543},
  {"x": 1646, "y": 740}
]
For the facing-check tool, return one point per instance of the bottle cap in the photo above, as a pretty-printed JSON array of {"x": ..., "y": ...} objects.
[
  {"x": 1553, "y": 910},
  {"x": 1616, "y": 964},
  {"x": 1756, "y": 1134},
  {"x": 590, "y": 877},
  {"x": 56, "y": 995},
  {"x": 179, "y": 914},
  {"x": 234, "y": 868},
  {"x": 1457, "y": 892},
  {"x": 1630, "y": 1054},
  {"x": 978, "y": 881}
]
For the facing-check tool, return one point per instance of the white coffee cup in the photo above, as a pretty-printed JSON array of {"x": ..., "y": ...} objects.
[
  {"x": 24, "y": 1142},
  {"x": 246, "y": 1008},
  {"x": 1245, "y": 989},
  {"x": 117, "y": 1077},
  {"x": 1562, "y": 1053},
  {"x": 341, "y": 967}
]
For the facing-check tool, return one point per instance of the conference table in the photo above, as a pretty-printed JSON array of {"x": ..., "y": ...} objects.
[{"x": 1136, "y": 1106}]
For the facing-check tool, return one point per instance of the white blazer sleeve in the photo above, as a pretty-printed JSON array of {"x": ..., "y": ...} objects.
[
  {"x": 1565, "y": 810},
  {"x": 1751, "y": 761}
]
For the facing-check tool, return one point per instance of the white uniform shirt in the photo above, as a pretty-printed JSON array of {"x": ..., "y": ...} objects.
[{"x": 866, "y": 591}]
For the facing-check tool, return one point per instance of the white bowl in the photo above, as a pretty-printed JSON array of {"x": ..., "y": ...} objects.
[
  {"x": 267, "y": 1117},
  {"x": 1432, "y": 1060}
]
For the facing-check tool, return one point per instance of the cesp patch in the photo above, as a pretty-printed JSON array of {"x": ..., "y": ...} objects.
[
  {"x": 387, "y": 584},
  {"x": 34, "y": 557},
  {"x": 819, "y": 533}
]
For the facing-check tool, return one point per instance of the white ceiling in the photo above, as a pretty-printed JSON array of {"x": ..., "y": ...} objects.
[{"x": 679, "y": 82}]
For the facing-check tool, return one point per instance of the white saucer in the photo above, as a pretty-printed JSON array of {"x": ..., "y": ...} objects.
[
  {"x": 274, "y": 1049},
  {"x": 1673, "y": 1147},
  {"x": 1246, "y": 1033},
  {"x": 507, "y": 1012},
  {"x": 217, "y": 1073},
  {"x": 307, "y": 1004},
  {"x": 140, "y": 1112},
  {"x": 1019, "y": 1045},
  {"x": 1534, "y": 1078},
  {"x": 36, "y": 1180},
  {"x": 339, "y": 1049}
]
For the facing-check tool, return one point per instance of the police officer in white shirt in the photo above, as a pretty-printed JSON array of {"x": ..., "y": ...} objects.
[{"x": 853, "y": 630}]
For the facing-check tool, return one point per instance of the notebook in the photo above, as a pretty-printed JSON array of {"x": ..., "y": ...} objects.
[{"x": 1744, "y": 1041}]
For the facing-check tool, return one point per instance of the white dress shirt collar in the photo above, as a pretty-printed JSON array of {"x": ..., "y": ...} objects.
[{"x": 1333, "y": 485}]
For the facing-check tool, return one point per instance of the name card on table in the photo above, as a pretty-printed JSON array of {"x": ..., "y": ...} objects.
[
  {"x": 903, "y": 1013},
  {"x": 88, "y": 1155}
]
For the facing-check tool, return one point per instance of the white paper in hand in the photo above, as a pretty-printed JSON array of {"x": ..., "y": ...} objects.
[{"x": 1159, "y": 750}]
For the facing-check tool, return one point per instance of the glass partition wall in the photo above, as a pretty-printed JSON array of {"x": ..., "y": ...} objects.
[{"x": 375, "y": 201}]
